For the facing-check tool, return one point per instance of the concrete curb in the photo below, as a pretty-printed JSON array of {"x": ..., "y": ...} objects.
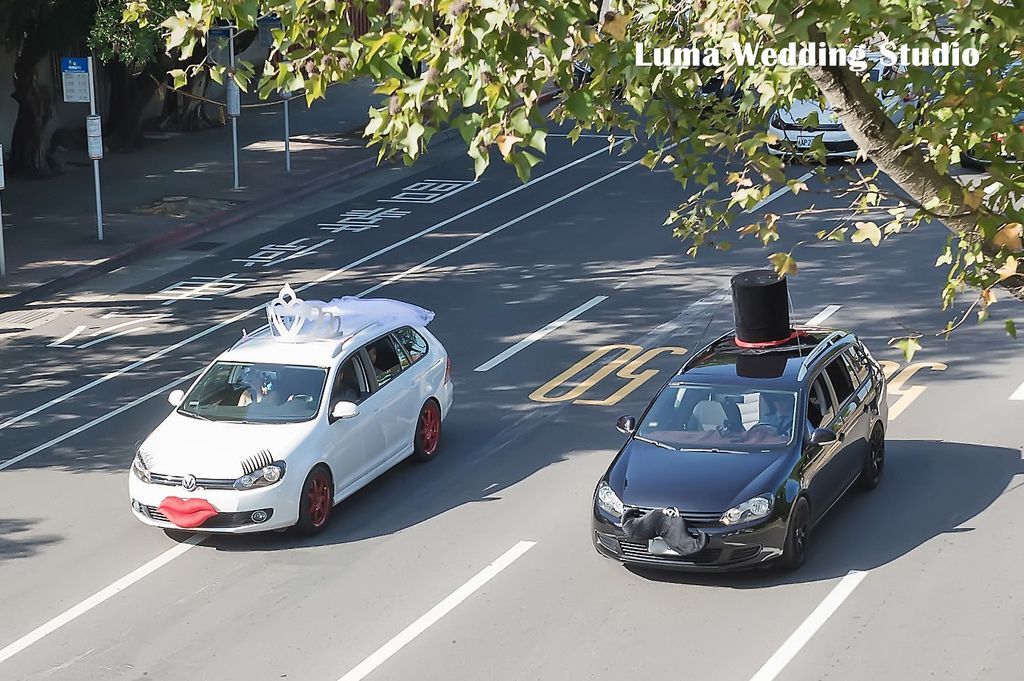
[{"x": 188, "y": 232}]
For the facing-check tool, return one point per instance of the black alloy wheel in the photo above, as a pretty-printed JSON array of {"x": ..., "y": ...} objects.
[
  {"x": 874, "y": 464},
  {"x": 798, "y": 536}
]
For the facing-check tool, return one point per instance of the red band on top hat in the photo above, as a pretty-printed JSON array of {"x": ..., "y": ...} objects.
[{"x": 768, "y": 344}]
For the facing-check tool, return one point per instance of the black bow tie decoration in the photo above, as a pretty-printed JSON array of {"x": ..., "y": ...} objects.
[{"x": 667, "y": 524}]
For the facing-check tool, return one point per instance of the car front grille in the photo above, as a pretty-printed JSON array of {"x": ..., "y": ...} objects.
[
  {"x": 692, "y": 518},
  {"x": 219, "y": 521},
  {"x": 632, "y": 550},
  {"x": 205, "y": 483}
]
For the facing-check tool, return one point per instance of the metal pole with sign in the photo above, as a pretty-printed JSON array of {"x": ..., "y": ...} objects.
[
  {"x": 234, "y": 103},
  {"x": 3, "y": 256},
  {"x": 94, "y": 137},
  {"x": 287, "y": 136}
]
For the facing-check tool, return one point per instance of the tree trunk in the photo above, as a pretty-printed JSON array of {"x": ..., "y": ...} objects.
[
  {"x": 187, "y": 113},
  {"x": 35, "y": 108},
  {"x": 862, "y": 115},
  {"x": 129, "y": 95}
]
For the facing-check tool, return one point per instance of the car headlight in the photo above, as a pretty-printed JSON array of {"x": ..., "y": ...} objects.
[
  {"x": 751, "y": 509},
  {"x": 139, "y": 468},
  {"x": 262, "y": 477},
  {"x": 608, "y": 501},
  {"x": 776, "y": 121}
]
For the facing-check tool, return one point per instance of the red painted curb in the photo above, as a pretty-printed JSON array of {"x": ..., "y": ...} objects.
[{"x": 212, "y": 223}]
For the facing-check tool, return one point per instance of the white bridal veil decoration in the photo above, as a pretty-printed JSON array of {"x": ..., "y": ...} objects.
[{"x": 291, "y": 317}]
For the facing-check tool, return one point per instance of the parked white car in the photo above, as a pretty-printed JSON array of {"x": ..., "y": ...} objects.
[
  {"x": 794, "y": 136},
  {"x": 295, "y": 418}
]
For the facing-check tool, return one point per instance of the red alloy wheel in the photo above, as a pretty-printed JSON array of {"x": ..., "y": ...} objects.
[
  {"x": 318, "y": 499},
  {"x": 429, "y": 428}
]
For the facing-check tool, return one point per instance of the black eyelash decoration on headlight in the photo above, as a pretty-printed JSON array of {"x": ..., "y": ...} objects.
[{"x": 259, "y": 460}]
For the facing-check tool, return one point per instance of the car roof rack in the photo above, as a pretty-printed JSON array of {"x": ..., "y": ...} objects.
[
  {"x": 346, "y": 339},
  {"x": 828, "y": 342}
]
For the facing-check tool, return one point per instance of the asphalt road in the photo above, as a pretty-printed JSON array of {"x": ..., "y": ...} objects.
[{"x": 479, "y": 565}]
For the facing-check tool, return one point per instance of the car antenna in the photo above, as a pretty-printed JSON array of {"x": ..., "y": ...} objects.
[{"x": 700, "y": 343}]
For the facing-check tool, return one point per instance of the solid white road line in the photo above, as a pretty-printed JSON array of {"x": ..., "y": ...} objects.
[
  {"x": 777, "y": 662},
  {"x": 96, "y": 421},
  {"x": 123, "y": 332},
  {"x": 537, "y": 335},
  {"x": 1018, "y": 394},
  {"x": 407, "y": 635},
  {"x": 59, "y": 342},
  {"x": 817, "y": 319},
  {"x": 776, "y": 194},
  {"x": 330, "y": 275},
  {"x": 98, "y": 597},
  {"x": 481, "y": 237}
]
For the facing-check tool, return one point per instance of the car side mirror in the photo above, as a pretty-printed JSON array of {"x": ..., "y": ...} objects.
[
  {"x": 176, "y": 397},
  {"x": 344, "y": 410},
  {"x": 822, "y": 436},
  {"x": 626, "y": 425}
]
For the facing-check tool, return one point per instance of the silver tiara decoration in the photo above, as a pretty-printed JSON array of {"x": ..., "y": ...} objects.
[{"x": 290, "y": 317}]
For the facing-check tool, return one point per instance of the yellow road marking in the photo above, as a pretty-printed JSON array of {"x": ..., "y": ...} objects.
[
  {"x": 897, "y": 385},
  {"x": 626, "y": 365}
]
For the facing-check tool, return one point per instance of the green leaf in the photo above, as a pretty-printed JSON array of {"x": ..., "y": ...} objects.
[
  {"x": 412, "y": 138},
  {"x": 180, "y": 79},
  {"x": 867, "y": 231},
  {"x": 784, "y": 263},
  {"x": 1011, "y": 328},
  {"x": 909, "y": 347}
]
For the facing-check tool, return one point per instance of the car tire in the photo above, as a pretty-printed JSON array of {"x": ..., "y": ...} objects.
[
  {"x": 316, "y": 501},
  {"x": 798, "y": 534},
  {"x": 427, "y": 439},
  {"x": 874, "y": 464},
  {"x": 968, "y": 161}
]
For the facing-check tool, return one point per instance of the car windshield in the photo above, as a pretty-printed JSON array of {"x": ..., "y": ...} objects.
[
  {"x": 256, "y": 393},
  {"x": 720, "y": 417}
]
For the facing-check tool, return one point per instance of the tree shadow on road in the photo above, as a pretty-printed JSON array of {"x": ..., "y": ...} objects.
[
  {"x": 930, "y": 488},
  {"x": 17, "y": 540}
]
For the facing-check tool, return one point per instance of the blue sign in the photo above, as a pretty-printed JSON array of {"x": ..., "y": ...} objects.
[{"x": 74, "y": 65}]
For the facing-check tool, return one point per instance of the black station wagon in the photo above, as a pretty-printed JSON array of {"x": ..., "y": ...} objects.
[{"x": 750, "y": 448}]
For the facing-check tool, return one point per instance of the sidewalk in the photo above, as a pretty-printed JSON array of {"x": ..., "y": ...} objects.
[{"x": 50, "y": 225}]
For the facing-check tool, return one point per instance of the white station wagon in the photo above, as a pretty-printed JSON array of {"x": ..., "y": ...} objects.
[{"x": 295, "y": 418}]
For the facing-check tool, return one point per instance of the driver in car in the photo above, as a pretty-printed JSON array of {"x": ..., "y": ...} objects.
[{"x": 778, "y": 414}]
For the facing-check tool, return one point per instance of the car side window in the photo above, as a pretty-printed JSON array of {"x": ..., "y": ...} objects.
[
  {"x": 385, "y": 360},
  {"x": 839, "y": 377},
  {"x": 820, "y": 410},
  {"x": 350, "y": 383},
  {"x": 415, "y": 345},
  {"x": 858, "y": 364}
]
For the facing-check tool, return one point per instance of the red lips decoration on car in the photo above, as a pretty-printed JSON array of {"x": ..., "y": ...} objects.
[{"x": 187, "y": 513}]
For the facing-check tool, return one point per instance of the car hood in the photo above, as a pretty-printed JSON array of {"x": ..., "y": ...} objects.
[
  {"x": 215, "y": 449},
  {"x": 692, "y": 480},
  {"x": 802, "y": 108}
]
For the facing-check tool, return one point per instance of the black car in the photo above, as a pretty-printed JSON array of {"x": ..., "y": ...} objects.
[
  {"x": 980, "y": 156},
  {"x": 750, "y": 447}
]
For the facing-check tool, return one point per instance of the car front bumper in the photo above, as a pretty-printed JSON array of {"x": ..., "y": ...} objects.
[
  {"x": 234, "y": 508},
  {"x": 838, "y": 144},
  {"x": 728, "y": 548}
]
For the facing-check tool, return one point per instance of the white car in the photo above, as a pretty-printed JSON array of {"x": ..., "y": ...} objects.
[
  {"x": 295, "y": 418},
  {"x": 794, "y": 137}
]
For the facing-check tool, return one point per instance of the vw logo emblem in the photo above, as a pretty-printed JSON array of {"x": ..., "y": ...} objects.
[{"x": 189, "y": 482}]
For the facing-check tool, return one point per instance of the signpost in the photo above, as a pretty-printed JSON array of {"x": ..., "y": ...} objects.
[
  {"x": 78, "y": 76},
  {"x": 267, "y": 24},
  {"x": 3, "y": 257},
  {"x": 217, "y": 38}
]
